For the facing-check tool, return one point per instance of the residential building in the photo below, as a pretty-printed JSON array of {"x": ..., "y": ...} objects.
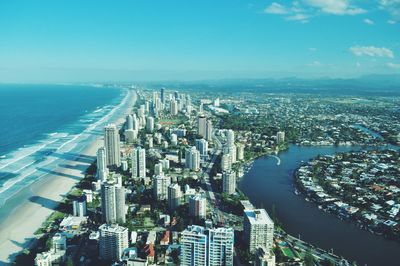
[
  {"x": 113, "y": 241},
  {"x": 258, "y": 229},
  {"x": 112, "y": 145}
]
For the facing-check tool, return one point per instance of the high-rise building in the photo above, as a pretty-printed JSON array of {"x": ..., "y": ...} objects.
[
  {"x": 111, "y": 144},
  {"x": 174, "y": 107},
  {"x": 139, "y": 163},
  {"x": 160, "y": 186},
  {"x": 174, "y": 196},
  {"x": 129, "y": 122},
  {"x": 280, "y": 137},
  {"x": 192, "y": 159},
  {"x": 226, "y": 162},
  {"x": 163, "y": 95},
  {"x": 207, "y": 247},
  {"x": 232, "y": 153},
  {"x": 113, "y": 241},
  {"x": 198, "y": 206},
  {"x": 150, "y": 124},
  {"x": 102, "y": 171},
  {"x": 258, "y": 229},
  {"x": 240, "y": 151},
  {"x": 194, "y": 246},
  {"x": 220, "y": 246},
  {"x": 158, "y": 168},
  {"x": 202, "y": 146},
  {"x": 209, "y": 129},
  {"x": 230, "y": 138},
  {"x": 113, "y": 203},
  {"x": 79, "y": 207},
  {"x": 201, "y": 125},
  {"x": 229, "y": 182}
]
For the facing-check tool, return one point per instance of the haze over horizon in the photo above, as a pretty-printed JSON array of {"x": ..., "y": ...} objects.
[{"x": 95, "y": 41}]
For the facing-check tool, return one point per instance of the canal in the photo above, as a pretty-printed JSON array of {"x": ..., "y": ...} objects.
[{"x": 268, "y": 184}]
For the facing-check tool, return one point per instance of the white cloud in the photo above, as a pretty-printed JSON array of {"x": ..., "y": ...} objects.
[
  {"x": 392, "y": 7},
  {"x": 393, "y": 65},
  {"x": 369, "y": 21},
  {"x": 372, "y": 51},
  {"x": 298, "y": 17},
  {"x": 358, "y": 64},
  {"x": 276, "y": 8},
  {"x": 315, "y": 64},
  {"x": 336, "y": 7},
  {"x": 392, "y": 22},
  {"x": 312, "y": 49}
]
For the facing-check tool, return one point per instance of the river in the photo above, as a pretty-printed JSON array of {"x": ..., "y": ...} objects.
[{"x": 268, "y": 184}]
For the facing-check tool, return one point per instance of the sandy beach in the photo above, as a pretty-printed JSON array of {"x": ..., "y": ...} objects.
[{"x": 40, "y": 199}]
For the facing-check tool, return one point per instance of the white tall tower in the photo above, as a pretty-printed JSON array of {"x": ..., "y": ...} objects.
[
  {"x": 229, "y": 182},
  {"x": 139, "y": 163},
  {"x": 102, "y": 170},
  {"x": 201, "y": 125},
  {"x": 111, "y": 144},
  {"x": 113, "y": 241},
  {"x": 112, "y": 203},
  {"x": 258, "y": 229}
]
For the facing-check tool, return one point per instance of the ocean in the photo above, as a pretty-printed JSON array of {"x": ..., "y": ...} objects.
[{"x": 42, "y": 125}]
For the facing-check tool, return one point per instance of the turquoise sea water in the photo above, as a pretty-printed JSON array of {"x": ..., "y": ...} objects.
[{"x": 42, "y": 125}]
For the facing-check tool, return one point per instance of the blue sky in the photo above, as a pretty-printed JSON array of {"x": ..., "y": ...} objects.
[{"x": 71, "y": 40}]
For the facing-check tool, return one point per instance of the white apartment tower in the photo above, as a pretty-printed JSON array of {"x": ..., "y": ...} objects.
[
  {"x": 258, "y": 230},
  {"x": 139, "y": 163},
  {"x": 174, "y": 196},
  {"x": 160, "y": 186},
  {"x": 198, "y": 206},
  {"x": 229, "y": 182},
  {"x": 113, "y": 241},
  {"x": 112, "y": 203},
  {"x": 111, "y": 144},
  {"x": 201, "y": 126},
  {"x": 208, "y": 247},
  {"x": 102, "y": 170}
]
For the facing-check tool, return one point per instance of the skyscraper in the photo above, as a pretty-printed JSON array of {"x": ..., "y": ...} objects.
[
  {"x": 240, "y": 151},
  {"x": 112, "y": 203},
  {"x": 280, "y": 137},
  {"x": 192, "y": 159},
  {"x": 201, "y": 125},
  {"x": 258, "y": 229},
  {"x": 174, "y": 196},
  {"x": 198, "y": 206},
  {"x": 79, "y": 207},
  {"x": 163, "y": 95},
  {"x": 113, "y": 241},
  {"x": 111, "y": 144},
  {"x": 174, "y": 107},
  {"x": 230, "y": 138},
  {"x": 160, "y": 186},
  {"x": 220, "y": 246},
  {"x": 194, "y": 246},
  {"x": 129, "y": 122},
  {"x": 229, "y": 182},
  {"x": 102, "y": 170},
  {"x": 202, "y": 146},
  {"x": 209, "y": 129},
  {"x": 208, "y": 247},
  {"x": 226, "y": 162},
  {"x": 139, "y": 163},
  {"x": 149, "y": 124}
]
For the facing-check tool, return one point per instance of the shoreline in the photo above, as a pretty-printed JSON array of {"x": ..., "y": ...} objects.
[{"x": 40, "y": 199}]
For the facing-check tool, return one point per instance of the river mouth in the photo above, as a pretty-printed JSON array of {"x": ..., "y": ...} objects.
[{"x": 268, "y": 184}]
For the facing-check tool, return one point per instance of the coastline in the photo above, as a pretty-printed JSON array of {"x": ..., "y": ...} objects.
[{"x": 35, "y": 203}]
